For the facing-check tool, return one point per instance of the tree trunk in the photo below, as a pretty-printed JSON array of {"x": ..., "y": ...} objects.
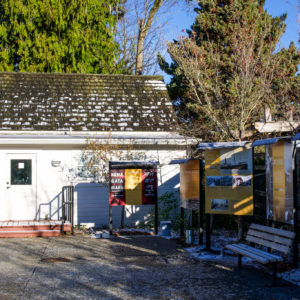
[
  {"x": 144, "y": 26},
  {"x": 140, "y": 49}
]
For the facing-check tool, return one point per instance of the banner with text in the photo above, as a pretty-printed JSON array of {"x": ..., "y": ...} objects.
[{"x": 132, "y": 187}]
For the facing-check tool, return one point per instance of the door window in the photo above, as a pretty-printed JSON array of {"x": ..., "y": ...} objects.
[{"x": 20, "y": 172}]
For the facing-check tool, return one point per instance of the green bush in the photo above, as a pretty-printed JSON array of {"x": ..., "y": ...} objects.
[{"x": 168, "y": 210}]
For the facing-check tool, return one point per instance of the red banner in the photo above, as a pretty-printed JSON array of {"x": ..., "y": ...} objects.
[
  {"x": 117, "y": 187},
  {"x": 149, "y": 186}
]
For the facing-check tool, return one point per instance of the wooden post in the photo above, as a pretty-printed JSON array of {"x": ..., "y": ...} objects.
[
  {"x": 201, "y": 201},
  {"x": 239, "y": 261},
  {"x": 296, "y": 211},
  {"x": 268, "y": 115},
  {"x": 110, "y": 220},
  {"x": 156, "y": 218},
  {"x": 181, "y": 222},
  {"x": 275, "y": 273},
  {"x": 72, "y": 208},
  {"x": 122, "y": 217},
  {"x": 207, "y": 231}
]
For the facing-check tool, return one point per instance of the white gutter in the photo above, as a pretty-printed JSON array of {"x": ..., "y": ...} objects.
[{"x": 80, "y": 138}]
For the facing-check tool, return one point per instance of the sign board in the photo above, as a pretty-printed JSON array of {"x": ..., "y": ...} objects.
[
  {"x": 132, "y": 186},
  {"x": 229, "y": 181},
  {"x": 190, "y": 184},
  {"x": 280, "y": 201}
]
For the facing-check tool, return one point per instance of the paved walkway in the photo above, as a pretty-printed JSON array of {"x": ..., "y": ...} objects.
[{"x": 80, "y": 267}]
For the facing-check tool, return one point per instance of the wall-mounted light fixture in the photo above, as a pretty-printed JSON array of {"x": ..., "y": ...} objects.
[{"x": 55, "y": 163}]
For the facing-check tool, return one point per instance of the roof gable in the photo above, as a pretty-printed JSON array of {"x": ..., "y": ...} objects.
[{"x": 84, "y": 102}]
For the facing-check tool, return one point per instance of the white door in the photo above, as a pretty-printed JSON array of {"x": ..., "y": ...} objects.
[{"x": 20, "y": 201}]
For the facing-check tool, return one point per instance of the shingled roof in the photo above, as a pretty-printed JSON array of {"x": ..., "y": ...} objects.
[{"x": 84, "y": 102}]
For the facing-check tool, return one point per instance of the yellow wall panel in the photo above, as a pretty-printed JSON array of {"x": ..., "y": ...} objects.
[
  {"x": 229, "y": 190},
  {"x": 278, "y": 181},
  {"x": 189, "y": 180}
]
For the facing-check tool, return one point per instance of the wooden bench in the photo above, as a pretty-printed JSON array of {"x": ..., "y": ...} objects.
[{"x": 268, "y": 237}]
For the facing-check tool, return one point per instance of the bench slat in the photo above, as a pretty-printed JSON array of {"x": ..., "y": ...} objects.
[
  {"x": 272, "y": 230},
  {"x": 262, "y": 253},
  {"x": 244, "y": 252},
  {"x": 259, "y": 241},
  {"x": 271, "y": 237}
]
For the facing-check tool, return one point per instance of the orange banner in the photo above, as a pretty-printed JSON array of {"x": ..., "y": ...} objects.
[{"x": 133, "y": 187}]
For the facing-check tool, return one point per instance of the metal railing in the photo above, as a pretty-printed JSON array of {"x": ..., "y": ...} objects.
[{"x": 68, "y": 206}]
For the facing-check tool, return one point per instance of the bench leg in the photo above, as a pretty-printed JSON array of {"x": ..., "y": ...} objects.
[
  {"x": 275, "y": 273},
  {"x": 239, "y": 261}
]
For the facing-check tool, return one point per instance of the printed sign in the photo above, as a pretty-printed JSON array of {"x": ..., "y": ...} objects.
[
  {"x": 229, "y": 181},
  {"x": 132, "y": 187},
  {"x": 149, "y": 186},
  {"x": 280, "y": 194},
  {"x": 117, "y": 187},
  {"x": 190, "y": 184}
]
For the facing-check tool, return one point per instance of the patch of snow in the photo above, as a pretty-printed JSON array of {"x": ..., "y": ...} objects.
[
  {"x": 222, "y": 256},
  {"x": 292, "y": 276}
]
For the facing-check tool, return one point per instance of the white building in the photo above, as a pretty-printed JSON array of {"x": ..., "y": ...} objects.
[{"x": 45, "y": 120}]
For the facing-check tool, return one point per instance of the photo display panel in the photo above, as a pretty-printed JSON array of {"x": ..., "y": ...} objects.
[{"x": 229, "y": 181}]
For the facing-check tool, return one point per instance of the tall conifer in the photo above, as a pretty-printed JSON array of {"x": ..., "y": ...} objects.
[
  {"x": 73, "y": 36},
  {"x": 215, "y": 31}
]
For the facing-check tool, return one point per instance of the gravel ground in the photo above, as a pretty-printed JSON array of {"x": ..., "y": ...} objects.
[{"x": 79, "y": 267}]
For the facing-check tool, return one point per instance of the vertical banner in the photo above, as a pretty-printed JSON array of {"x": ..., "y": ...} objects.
[
  {"x": 297, "y": 182},
  {"x": 229, "y": 181},
  {"x": 190, "y": 184},
  {"x": 280, "y": 203},
  {"x": 133, "y": 186},
  {"x": 149, "y": 186},
  {"x": 117, "y": 187}
]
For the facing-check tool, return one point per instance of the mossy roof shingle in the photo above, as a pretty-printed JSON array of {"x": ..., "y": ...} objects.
[{"x": 84, "y": 102}]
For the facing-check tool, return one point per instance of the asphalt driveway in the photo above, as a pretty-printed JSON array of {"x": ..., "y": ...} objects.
[{"x": 79, "y": 267}]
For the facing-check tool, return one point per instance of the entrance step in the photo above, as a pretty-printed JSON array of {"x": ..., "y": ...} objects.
[
  {"x": 32, "y": 228},
  {"x": 30, "y": 233}
]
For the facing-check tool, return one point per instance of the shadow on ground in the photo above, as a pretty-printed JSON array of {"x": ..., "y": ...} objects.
[{"x": 145, "y": 267}]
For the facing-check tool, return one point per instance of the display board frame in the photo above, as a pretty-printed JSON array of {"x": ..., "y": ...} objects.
[
  {"x": 133, "y": 183},
  {"x": 229, "y": 180}
]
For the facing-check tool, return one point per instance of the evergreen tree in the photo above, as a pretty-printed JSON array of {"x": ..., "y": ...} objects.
[
  {"x": 225, "y": 70},
  {"x": 72, "y": 36}
]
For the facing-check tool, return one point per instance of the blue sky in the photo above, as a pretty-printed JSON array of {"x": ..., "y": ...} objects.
[
  {"x": 277, "y": 8},
  {"x": 180, "y": 20}
]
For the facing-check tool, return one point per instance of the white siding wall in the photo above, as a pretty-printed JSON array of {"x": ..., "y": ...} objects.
[{"x": 91, "y": 199}]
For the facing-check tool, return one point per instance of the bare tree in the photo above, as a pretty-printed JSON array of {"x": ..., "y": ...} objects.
[
  {"x": 97, "y": 155},
  {"x": 139, "y": 32}
]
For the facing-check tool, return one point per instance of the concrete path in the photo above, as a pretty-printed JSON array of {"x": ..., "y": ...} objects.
[{"x": 80, "y": 267}]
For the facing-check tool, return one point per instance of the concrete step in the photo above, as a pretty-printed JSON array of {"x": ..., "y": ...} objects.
[{"x": 29, "y": 233}]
